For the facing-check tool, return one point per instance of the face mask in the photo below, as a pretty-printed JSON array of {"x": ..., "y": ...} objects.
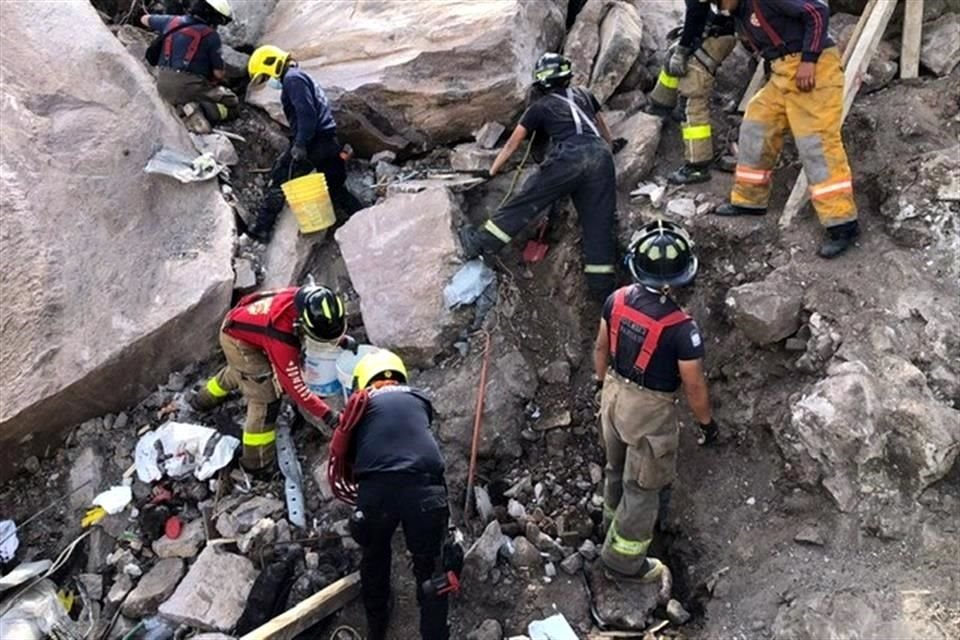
[{"x": 274, "y": 83}]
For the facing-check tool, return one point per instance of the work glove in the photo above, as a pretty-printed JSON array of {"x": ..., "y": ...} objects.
[
  {"x": 349, "y": 343},
  {"x": 618, "y": 144},
  {"x": 677, "y": 62},
  {"x": 708, "y": 434},
  {"x": 298, "y": 153}
]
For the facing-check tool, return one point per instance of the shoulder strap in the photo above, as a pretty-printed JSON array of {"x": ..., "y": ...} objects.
[
  {"x": 177, "y": 24},
  {"x": 654, "y": 328},
  {"x": 616, "y": 317},
  {"x": 768, "y": 28},
  {"x": 579, "y": 117},
  {"x": 180, "y": 24}
]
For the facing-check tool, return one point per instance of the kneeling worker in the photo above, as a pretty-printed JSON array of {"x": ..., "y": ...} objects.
[
  {"x": 261, "y": 339},
  {"x": 654, "y": 349},
  {"x": 385, "y": 445}
]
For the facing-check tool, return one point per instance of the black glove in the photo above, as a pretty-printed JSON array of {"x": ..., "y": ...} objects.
[
  {"x": 708, "y": 433},
  {"x": 349, "y": 343},
  {"x": 298, "y": 153},
  {"x": 332, "y": 419},
  {"x": 618, "y": 144}
]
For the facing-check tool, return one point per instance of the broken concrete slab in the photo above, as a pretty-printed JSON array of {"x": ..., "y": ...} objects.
[
  {"x": 401, "y": 254},
  {"x": 186, "y": 545},
  {"x": 153, "y": 589},
  {"x": 489, "y": 134},
  {"x": 214, "y": 593}
]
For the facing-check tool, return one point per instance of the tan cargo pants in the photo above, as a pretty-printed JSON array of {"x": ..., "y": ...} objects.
[
  {"x": 640, "y": 435},
  {"x": 179, "y": 88},
  {"x": 249, "y": 370}
]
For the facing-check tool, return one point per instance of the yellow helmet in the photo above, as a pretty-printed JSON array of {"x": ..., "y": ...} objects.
[
  {"x": 380, "y": 364},
  {"x": 267, "y": 62}
]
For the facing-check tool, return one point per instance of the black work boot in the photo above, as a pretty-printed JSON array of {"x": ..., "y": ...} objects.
[
  {"x": 471, "y": 242},
  {"x": 657, "y": 109},
  {"x": 726, "y": 163},
  {"x": 730, "y": 210},
  {"x": 839, "y": 239},
  {"x": 690, "y": 174}
]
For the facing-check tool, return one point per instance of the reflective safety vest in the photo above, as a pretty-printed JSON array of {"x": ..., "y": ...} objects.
[
  {"x": 621, "y": 313},
  {"x": 196, "y": 33}
]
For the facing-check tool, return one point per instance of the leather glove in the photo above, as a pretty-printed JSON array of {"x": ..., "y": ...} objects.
[
  {"x": 677, "y": 62},
  {"x": 708, "y": 433},
  {"x": 349, "y": 343},
  {"x": 332, "y": 419},
  {"x": 298, "y": 153}
]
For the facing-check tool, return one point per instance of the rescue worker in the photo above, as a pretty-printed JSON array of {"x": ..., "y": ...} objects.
[
  {"x": 706, "y": 39},
  {"x": 313, "y": 133},
  {"x": 261, "y": 340},
  {"x": 191, "y": 65},
  {"x": 579, "y": 163},
  {"x": 804, "y": 94},
  {"x": 646, "y": 349},
  {"x": 399, "y": 471}
]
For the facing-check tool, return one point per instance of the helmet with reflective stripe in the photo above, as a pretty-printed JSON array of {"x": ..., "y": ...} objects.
[
  {"x": 267, "y": 62},
  {"x": 320, "y": 313},
  {"x": 378, "y": 365},
  {"x": 213, "y": 12},
  {"x": 552, "y": 70},
  {"x": 662, "y": 256}
]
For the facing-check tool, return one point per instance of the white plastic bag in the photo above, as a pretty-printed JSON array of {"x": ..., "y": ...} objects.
[
  {"x": 177, "y": 448},
  {"x": 553, "y": 628},
  {"x": 9, "y": 542},
  {"x": 115, "y": 499},
  {"x": 468, "y": 284}
]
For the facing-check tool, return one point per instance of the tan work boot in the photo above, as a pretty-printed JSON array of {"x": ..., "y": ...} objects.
[
  {"x": 652, "y": 571},
  {"x": 194, "y": 119}
]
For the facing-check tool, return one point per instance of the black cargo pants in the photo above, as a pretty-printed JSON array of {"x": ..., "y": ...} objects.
[
  {"x": 581, "y": 167},
  {"x": 389, "y": 500},
  {"x": 323, "y": 154}
]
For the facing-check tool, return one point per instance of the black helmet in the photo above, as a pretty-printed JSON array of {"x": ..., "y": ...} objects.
[
  {"x": 552, "y": 70},
  {"x": 320, "y": 313},
  {"x": 662, "y": 256}
]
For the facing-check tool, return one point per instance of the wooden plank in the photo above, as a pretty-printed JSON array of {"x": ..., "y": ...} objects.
[
  {"x": 863, "y": 53},
  {"x": 755, "y": 83},
  {"x": 309, "y": 612},
  {"x": 912, "y": 28},
  {"x": 857, "y": 30}
]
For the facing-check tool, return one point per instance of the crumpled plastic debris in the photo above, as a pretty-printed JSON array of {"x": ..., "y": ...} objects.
[
  {"x": 34, "y": 614},
  {"x": 552, "y": 628},
  {"x": 115, "y": 499},
  {"x": 182, "y": 167},
  {"x": 9, "y": 542},
  {"x": 178, "y": 448},
  {"x": 468, "y": 284},
  {"x": 23, "y": 572},
  {"x": 216, "y": 145}
]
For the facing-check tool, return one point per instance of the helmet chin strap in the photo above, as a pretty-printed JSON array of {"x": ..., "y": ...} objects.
[{"x": 663, "y": 292}]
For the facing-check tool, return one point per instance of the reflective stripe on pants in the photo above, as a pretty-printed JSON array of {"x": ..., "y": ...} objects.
[
  {"x": 697, "y": 87},
  {"x": 814, "y": 118}
]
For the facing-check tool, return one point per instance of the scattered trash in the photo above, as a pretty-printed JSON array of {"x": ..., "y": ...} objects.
[
  {"x": 115, "y": 499},
  {"x": 9, "y": 542},
  {"x": 553, "y": 628},
  {"x": 682, "y": 207},
  {"x": 182, "y": 167},
  {"x": 22, "y": 573},
  {"x": 468, "y": 284},
  {"x": 173, "y": 527},
  {"x": 38, "y": 613},
  {"x": 652, "y": 190},
  {"x": 178, "y": 448},
  {"x": 93, "y": 516},
  {"x": 216, "y": 145}
]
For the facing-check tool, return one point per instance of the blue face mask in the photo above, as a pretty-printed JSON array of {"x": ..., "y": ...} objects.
[{"x": 274, "y": 83}]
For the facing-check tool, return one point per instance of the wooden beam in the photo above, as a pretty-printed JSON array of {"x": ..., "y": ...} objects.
[
  {"x": 309, "y": 612},
  {"x": 910, "y": 49},
  {"x": 857, "y": 30},
  {"x": 863, "y": 52},
  {"x": 755, "y": 83}
]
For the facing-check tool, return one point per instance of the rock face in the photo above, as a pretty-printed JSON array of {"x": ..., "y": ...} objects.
[
  {"x": 249, "y": 21},
  {"x": 767, "y": 311},
  {"x": 410, "y": 74},
  {"x": 153, "y": 588},
  {"x": 871, "y": 432},
  {"x": 400, "y": 255},
  {"x": 844, "y": 615},
  {"x": 940, "y": 49},
  {"x": 112, "y": 278},
  {"x": 481, "y": 557},
  {"x": 620, "y": 35},
  {"x": 634, "y": 161}
]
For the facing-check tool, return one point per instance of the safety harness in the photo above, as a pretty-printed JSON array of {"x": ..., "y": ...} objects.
[
  {"x": 339, "y": 468},
  {"x": 196, "y": 33},
  {"x": 579, "y": 117},
  {"x": 767, "y": 29},
  {"x": 654, "y": 328},
  {"x": 269, "y": 329}
]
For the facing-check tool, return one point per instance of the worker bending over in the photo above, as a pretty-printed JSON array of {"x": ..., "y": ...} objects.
[
  {"x": 804, "y": 93},
  {"x": 579, "y": 164},
  {"x": 261, "y": 340},
  {"x": 646, "y": 349}
]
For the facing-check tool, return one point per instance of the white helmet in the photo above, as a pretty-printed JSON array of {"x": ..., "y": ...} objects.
[{"x": 218, "y": 11}]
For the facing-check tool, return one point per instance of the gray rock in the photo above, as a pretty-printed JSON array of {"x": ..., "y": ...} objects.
[
  {"x": 410, "y": 236},
  {"x": 153, "y": 589},
  {"x": 31, "y": 465},
  {"x": 288, "y": 252},
  {"x": 620, "y": 35},
  {"x": 122, "y": 585},
  {"x": 766, "y": 311},
  {"x": 481, "y": 557},
  {"x": 99, "y": 550},
  {"x": 642, "y": 133},
  {"x": 214, "y": 593},
  {"x": 249, "y": 21},
  {"x": 814, "y": 616},
  {"x": 676, "y": 613},
  {"x": 525, "y": 555},
  {"x": 516, "y": 510},
  {"x": 621, "y": 604},
  {"x": 809, "y": 535},
  {"x": 522, "y": 487},
  {"x": 550, "y": 570},
  {"x": 488, "y": 630},
  {"x": 940, "y": 48},
  {"x": 262, "y": 534},
  {"x": 482, "y": 501},
  {"x": 191, "y": 540},
  {"x": 241, "y": 518},
  {"x": 489, "y": 134},
  {"x": 235, "y": 63},
  {"x": 212, "y": 636},
  {"x": 588, "y": 550},
  {"x": 470, "y": 156},
  {"x": 557, "y": 372},
  {"x": 85, "y": 473},
  {"x": 93, "y": 583},
  {"x": 544, "y": 543},
  {"x": 320, "y": 477},
  {"x": 573, "y": 564},
  {"x": 383, "y": 156},
  {"x": 245, "y": 276},
  {"x": 583, "y": 41},
  {"x": 682, "y": 207}
]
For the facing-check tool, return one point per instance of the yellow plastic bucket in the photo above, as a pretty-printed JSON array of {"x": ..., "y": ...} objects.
[{"x": 310, "y": 202}]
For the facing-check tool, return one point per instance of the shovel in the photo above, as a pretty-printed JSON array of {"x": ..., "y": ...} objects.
[{"x": 536, "y": 250}]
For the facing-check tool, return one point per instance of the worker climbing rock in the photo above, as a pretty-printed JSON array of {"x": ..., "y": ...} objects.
[
  {"x": 647, "y": 348},
  {"x": 579, "y": 163},
  {"x": 385, "y": 452},
  {"x": 705, "y": 40},
  {"x": 804, "y": 94},
  {"x": 313, "y": 137},
  {"x": 190, "y": 67},
  {"x": 261, "y": 340}
]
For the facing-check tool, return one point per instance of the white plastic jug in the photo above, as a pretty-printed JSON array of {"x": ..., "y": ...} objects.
[
  {"x": 346, "y": 364},
  {"x": 320, "y": 367}
]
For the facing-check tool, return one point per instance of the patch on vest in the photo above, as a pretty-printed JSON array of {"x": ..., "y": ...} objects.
[{"x": 695, "y": 339}]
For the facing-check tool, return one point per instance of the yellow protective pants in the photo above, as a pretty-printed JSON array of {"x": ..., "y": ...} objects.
[{"x": 814, "y": 118}]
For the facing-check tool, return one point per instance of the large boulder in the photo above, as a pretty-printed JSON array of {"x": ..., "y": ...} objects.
[
  {"x": 112, "y": 278},
  {"x": 421, "y": 72},
  {"x": 634, "y": 161},
  {"x": 620, "y": 35},
  {"x": 766, "y": 311},
  {"x": 400, "y": 255},
  {"x": 940, "y": 49},
  {"x": 249, "y": 21}
]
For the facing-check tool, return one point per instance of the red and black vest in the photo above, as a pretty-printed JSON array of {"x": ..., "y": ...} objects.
[{"x": 653, "y": 327}]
